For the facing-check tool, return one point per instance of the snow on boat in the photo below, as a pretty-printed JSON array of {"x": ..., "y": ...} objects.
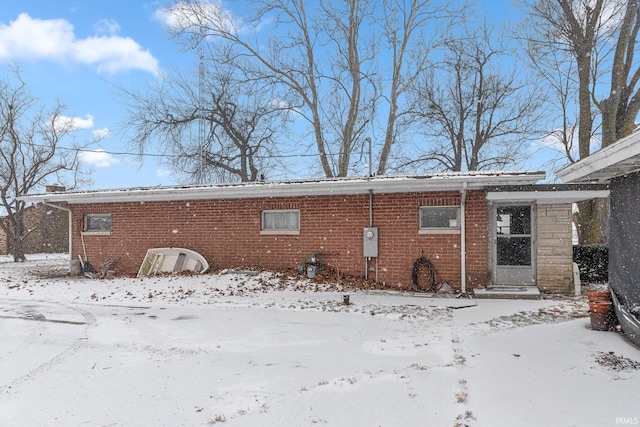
[{"x": 172, "y": 260}]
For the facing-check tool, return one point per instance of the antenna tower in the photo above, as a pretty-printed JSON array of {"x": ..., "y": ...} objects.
[{"x": 200, "y": 174}]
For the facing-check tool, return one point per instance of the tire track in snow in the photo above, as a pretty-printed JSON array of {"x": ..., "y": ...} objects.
[{"x": 89, "y": 324}]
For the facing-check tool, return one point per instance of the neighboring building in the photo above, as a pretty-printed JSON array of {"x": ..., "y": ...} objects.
[
  {"x": 48, "y": 229},
  {"x": 478, "y": 229}
]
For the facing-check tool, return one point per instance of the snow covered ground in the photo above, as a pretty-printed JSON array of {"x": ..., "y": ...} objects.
[{"x": 263, "y": 350}]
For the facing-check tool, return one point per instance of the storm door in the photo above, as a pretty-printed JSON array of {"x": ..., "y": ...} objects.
[{"x": 514, "y": 252}]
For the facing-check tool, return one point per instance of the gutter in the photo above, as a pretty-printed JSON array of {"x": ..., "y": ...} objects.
[
  {"x": 70, "y": 225},
  {"x": 345, "y": 186},
  {"x": 620, "y": 158}
]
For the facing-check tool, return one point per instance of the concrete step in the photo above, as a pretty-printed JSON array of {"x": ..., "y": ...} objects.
[{"x": 507, "y": 292}]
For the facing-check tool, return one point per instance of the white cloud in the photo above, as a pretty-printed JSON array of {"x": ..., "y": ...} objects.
[
  {"x": 284, "y": 105},
  {"x": 74, "y": 123},
  {"x": 113, "y": 54},
  {"x": 107, "y": 26},
  {"x": 54, "y": 40},
  {"x": 281, "y": 103},
  {"x": 553, "y": 141},
  {"x": 163, "y": 173},
  {"x": 181, "y": 16},
  {"x": 98, "y": 158},
  {"x": 101, "y": 133}
]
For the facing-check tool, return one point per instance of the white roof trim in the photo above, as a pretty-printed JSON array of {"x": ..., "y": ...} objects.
[
  {"x": 546, "y": 197},
  {"x": 618, "y": 159},
  {"x": 337, "y": 186}
]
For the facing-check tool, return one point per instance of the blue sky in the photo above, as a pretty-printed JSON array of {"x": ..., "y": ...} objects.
[{"x": 80, "y": 51}]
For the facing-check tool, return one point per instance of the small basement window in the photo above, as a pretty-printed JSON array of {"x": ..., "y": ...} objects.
[
  {"x": 439, "y": 219},
  {"x": 97, "y": 223},
  {"x": 281, "y": 222}
]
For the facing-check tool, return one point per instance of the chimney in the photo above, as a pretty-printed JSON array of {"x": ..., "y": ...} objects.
[{"x": 55, "y": 188}]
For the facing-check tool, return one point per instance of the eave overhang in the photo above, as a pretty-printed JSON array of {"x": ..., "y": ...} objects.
[
  {"x": 336, "y": 186},
  {"x": 546, "y": 194},
  {"x": 619, "y": 159}
]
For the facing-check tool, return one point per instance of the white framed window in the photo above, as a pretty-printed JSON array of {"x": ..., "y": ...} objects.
[
  {"x": 281, "y": 221},
  {"x": 439, "y": 219},
  {"x": 97, "y": 223}
]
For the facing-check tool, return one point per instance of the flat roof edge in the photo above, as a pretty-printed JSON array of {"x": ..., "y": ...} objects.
[
  {"x": 547, "y": 193},
  {"x": 601, "y": 165},
  {"x": 344, "y": 186}
]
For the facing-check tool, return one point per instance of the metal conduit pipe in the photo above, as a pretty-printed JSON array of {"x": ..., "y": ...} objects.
[
  {"x": 370, "y": 208},
  {"x": 463, "y": 239},
  {"x": 366, "y": 261},
  {"x": 371, "y": 225}
]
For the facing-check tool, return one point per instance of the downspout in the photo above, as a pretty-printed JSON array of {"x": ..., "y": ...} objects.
[
  {"x": 370, "y": 190},
  {"x": 463, "y": 239},
  {"x": 70, "y": 225},
  {"x": 366, "y": 261}
]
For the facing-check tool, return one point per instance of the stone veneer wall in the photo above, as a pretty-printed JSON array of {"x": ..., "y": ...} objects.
[{"x": 555, "y": 249}]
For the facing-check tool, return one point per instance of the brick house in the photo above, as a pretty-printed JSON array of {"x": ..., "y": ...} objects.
[
  {"x": 477, "y": 229},
  {"x": 49, "y": 231}
]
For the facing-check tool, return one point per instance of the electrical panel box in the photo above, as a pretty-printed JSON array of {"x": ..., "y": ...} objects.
[{"x": 371, "y": 242}]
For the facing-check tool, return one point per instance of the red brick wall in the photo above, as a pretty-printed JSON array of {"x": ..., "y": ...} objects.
[
  {"x": 227, "y": 233},
  {"x": 478, "y": 240}
]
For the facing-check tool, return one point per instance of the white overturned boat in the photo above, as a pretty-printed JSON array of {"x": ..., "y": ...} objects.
[{"x": 172, "y": 260}]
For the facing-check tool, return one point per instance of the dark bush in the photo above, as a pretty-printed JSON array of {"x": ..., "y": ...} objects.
[{"x": 593, "y": 262}]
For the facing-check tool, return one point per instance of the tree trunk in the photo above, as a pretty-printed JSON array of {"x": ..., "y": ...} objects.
[
  {"x": 604, "y": 224},
  {"x": 389, "y": 136},
  {"x": 609, "y": 112},
  {"x": 16, "y": 238},
  {"x": 17, "y": 250},
  {"x": 588, "y": 222}
]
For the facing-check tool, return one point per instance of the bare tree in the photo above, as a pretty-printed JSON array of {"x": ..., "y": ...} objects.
[
  {"x": 324, "y": 56},
  {"x": 324, "y": 88},
  {"x": 622, "y": 104},
  {"x": 412, "y": 29},
  {"x": 477, "y": 114},
  {"x": 31, "y": 152},
  {"x": 214, "y": 125},
  {"x": 584, "y": 31},
  {"x": 556, "y": 72}
]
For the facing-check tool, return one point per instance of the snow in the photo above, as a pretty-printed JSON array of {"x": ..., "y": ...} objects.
[{"x": 247, "y": 350}]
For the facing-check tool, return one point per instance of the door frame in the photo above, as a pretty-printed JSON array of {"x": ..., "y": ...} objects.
[{"x": 524, "y": 276}]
